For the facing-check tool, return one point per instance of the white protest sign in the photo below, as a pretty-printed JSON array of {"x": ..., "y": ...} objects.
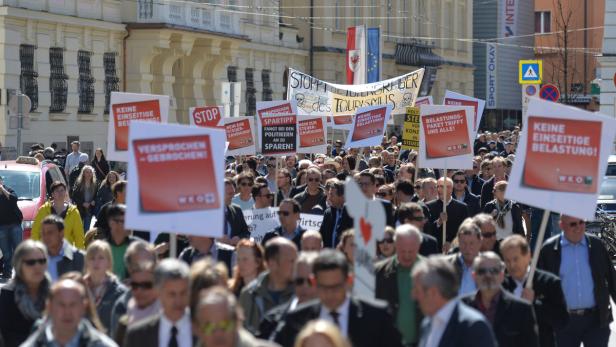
[
  {"x": 123, "y": 110},
  {"x": 445, "y": 137},
  {"x": 457, "y": 99},
  {"x": 263, "y": 220},
  {"x": 319, "y": 98},
  {"x": 368, "y": 126},
  {"x": 561, "y": 158},
  {"x": 311, "y": 134},
  {"x": 369, "y": 224},
  {"x": 176, "y": 175},
  {"x": 240, "y": 133}
]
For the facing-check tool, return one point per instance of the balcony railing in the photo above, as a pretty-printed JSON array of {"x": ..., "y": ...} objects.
[{"x": 195, "y": 15}]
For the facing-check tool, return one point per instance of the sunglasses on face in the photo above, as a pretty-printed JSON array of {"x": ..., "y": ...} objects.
[
  {"x": 418, "y": 218},
  {"x": 141, "y": 285},
  {"x": 300, "y": 281},
  {"x": 488, "y": 270},
  {"x": 32, "y": 262},
  {"x": 459, "y": 181},
  {"x": 226, "y": 325},
  {"x": 488, "y": 235},
  {"x": 417, "y": 187},
  {"x": 284, "y": 213},
  {"x": 313, "y": 179},
  {"x": 118, "y": 220},
  {"x": 387, "y": 240},
  {"x": 268, "y": 195},
  {"x": 245, "y": 184},
  {"x": 574, "y": 224}
]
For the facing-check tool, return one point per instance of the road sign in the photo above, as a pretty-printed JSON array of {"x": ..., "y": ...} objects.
[
  {"x": 529, "y": 91},
  {"x": 549, "y": 92},
  {"x": 14, "y": 104},
  {"x": 530, "y": 71}
]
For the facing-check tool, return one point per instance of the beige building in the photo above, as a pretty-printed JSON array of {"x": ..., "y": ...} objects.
[{"x": 68, "y": 55}]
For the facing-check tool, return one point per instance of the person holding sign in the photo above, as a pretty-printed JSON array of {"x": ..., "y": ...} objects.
[
  {"x": 588, "y": 281},
  {"x": 455, "y": 214}
]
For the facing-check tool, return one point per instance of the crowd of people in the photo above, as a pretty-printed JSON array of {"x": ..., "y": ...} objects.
[{"x": 83, "y": 279}]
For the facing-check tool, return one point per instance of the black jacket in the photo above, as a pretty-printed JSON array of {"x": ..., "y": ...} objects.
[
  {"x": 370, "y": 323},
  {"x": 11, "y": 214},
  {"x": 457, "y": 212},
  {"x": 603, "y": 273},
  {"x": 475, "y": 185},
  {"x": 190, "y": 255},
  {"x": 487, "y": 191},
  {"x": 549, "y": 305},
  {"x": 327, "y": 226},
  {"x": 101, "y": 168},
  {"x": 472, "y": 202},
  {"x": 516, "y": 215},
  {"x": 515, "y": 324},
  {"x": 235, "y": 217},
  {"x": 321, "y": 199},
  {"x": 429, "y": 245},
  {"x": 297, "y": 239},
  {"x": 14, "y": 326}
]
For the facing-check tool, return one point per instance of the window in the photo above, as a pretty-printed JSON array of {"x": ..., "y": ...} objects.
[
  {"x": 57, "y": 80},
  {"x": 27, "y": 78},
  {"x": 86, "y": 82},
  {"x": 146, "y": 9},
  {"x": 232, "y": 73},
  {"x": 111, "y": 79},
  {"x": 251, "y": 98},
  {"x": 267, "y": 85},
  {"x": 543, "y": 22}
]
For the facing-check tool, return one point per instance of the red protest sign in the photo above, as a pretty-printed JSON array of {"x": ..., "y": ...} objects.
[
  {"x": 148, "y": 110},
  {"x": 446, "y": 134},
  {"x": 562, "y": 154},
  {"x": 311, "y": 133},
  {"x": 239, "y": 134},
  {"x": 158, "y": 162},
  {"x": 369, "y": 124},
  {"x": 207, "y": 117}
]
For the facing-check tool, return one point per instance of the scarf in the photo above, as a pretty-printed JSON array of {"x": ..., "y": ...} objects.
[
  {"x": 501, "y": 212},
  {"x": 31, "y": 310}
]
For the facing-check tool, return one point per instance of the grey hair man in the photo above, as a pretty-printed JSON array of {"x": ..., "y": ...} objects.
[{"x": 172, "y": 326}]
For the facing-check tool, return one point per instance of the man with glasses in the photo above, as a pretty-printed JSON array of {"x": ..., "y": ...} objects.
[
  {"x": 290, "y": 229},
  {"x": 217, "y": 321},
  {"x": 486, "y": 223},
  {"x": 365, "y": 323},
  {"x": 271, "y": 173},
  {"x": 336, "y": 218},
  {"x": 473, "y": 181},
  {"x": 394, "y": 283},
  {"x": 414, "y": 214},
  {"x": 63, "y": 257},
  {"x": 462, "y": 194},
  {"x": 367, "y": 184},
  {"x": 244, "y": 199},
  {"x": 588, "y": 280},
  {"x": 454, "y": 213},
  {"x": 546, "y": 294},
  {"x": 487, "y": 191},
  {"x": 512, "y": 319},
  {"x": 312, "y": 199},
  {"x": 262, "y": 196}
]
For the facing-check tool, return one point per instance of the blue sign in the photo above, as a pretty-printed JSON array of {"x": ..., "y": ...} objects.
[{"x": 530, "y": 71}]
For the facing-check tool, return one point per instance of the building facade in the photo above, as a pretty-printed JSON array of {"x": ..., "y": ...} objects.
[
  {"x": 505, "y": 29},
  {"x": 607, "y": 62}
]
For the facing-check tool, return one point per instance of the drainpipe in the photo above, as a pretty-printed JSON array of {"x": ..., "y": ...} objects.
[{"x": 124, "y": 58}]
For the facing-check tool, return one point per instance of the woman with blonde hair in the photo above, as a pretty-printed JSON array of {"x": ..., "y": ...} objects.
[
  {"x": 103, "y": 286},
  {"x": 321, "y": 333},
  {"x": 84, "y": 194}
]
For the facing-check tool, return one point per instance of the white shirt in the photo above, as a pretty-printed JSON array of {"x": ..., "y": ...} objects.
[
  {"x": 184, "y": 335},
  {"x": 343, "y": 317},
  {"x": 438, "y": 324}
]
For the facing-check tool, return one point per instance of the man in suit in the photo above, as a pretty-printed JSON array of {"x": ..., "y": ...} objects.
[
  {"x": 448, "y": 322},
  {"x": 512, "y": 319},
  {"x": 235, "y": 227},
  {"x": 336, "y": 219},
  {"x": 393, "y": 282},
  {"x": 63, "y": 257},
  {"x": 202, "y": 246},
  {"x": 288, "y": 214},
  {"x": 469, "y": 239},
  {"x": 462, "y": 194},
  {"x": 412, "y": 213},
  {"x": 454, "y": 215},
  {"x": 172, "y": 326},
  {"x": 487, "y": 190},
  {"x": 546, "y": 294},
  {"x": 473, "y": 181},
  {"x": 367, "y": 184},
  {"x": 365, "y": 323},
  {"x": 588, "y": 280}
]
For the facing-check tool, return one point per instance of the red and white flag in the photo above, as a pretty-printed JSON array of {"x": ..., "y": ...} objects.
[{"x": 356, "y": 55}]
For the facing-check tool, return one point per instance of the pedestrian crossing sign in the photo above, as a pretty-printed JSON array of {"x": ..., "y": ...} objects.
[{"x": 530, "y": 71}]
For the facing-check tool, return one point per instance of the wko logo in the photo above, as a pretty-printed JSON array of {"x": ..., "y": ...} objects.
[{"x": 575, "y": 179}]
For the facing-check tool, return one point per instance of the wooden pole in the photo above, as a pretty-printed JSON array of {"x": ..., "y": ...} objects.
[
  {"x": 538, "y": 244},
  {"x": 276, "y": 181},
  {"x": 173, "y": 245},
  {"x": 445, "y": 207}
]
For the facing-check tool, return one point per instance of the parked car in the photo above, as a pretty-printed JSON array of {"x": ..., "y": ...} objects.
[{"x": 30, "y": 179}]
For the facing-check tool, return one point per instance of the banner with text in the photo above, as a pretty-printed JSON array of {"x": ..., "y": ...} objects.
[
  {"x": 158, "y": 199},
  {"x": 319, "y": 98},
  {"x": 410, "y": 135},
  {"x": 206, "y": 116},
  {"x": 368, "y": 126},
  {"x": 562, "y": 157},
  {"x": 445, "y": 137},
  {"x": 278, "y": 134},
  {"x": 311, "y": 134},
  {"x": 263, "y": 220},
  {"x": 457, "y": 99},
  {"x": 240, "y": 133},
  {"x": 124, "y": 109},
  {"x": 424, "y": 100}
]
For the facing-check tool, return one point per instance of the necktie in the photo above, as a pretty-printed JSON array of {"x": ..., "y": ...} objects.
[
  {"x": 335, "y": 316},
  {"x": 173, "y": 341},
  {"x": 227, "y": 227},
  {"x": 335, "y": 231}
]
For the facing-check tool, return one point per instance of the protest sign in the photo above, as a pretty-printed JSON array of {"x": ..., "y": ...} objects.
[
  {"x": 319, "y": 98},
  {"x": 311, "y": 134},
  {"x": 240, "y": 133},
  {"x": 276, "y": 107},
  {"x": 457, "y": 99},
  {"x": 125, "y": 108},
  {"x": 561, "y": 158},
  {"x": 263, "y": 220},
  {"x": 369, "y": 223},
  {"x": 206, "y": 116},
  {"x": 278, "y": 134},
  {"x": 445, "y": 133},
  {"x": 176, "y": 175},
  {"x": 342, "y": 122},
  {"x": 410, "y": 135},
  {"x": 424, "y": 100},
  {"x": 368, "y": 126}
]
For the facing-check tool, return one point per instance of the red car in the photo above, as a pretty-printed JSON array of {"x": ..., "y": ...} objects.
[{"x": 30, "y": 180}]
